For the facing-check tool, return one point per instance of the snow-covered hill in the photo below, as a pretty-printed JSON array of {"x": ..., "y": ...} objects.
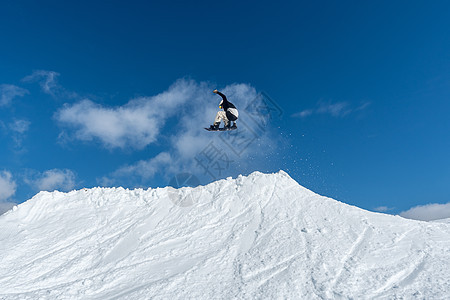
[{"x": 261, "y": 236}]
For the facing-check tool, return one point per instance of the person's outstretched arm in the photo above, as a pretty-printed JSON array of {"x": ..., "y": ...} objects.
[{"x": 221, "y": 95}]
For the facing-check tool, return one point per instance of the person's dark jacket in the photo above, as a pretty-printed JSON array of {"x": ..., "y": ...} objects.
[{"x": 232, "y": 114}]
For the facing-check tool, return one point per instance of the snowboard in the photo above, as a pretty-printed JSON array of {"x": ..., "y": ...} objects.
[{"x": 221, "y": 129}]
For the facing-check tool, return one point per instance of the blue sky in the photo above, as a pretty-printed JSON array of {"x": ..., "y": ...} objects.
[{"x": 350, "y": 98}]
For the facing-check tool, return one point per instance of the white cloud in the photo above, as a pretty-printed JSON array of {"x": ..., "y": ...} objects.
[
  {"x": 428, "y": 212},
  {"x": 16, "y": 132},
  {"x": 51, "y": 180},
  {"x": 303, "y": 114},
  {"x": 363, "y": 106},
  {"x": 135, "y": 124},
  {"x": 7, "y": 185},
  {"x": 8, "y": 92},
  {"x": 20, "y": 126},
  {"x": 47, "y": 80},
  {"x": 338, "y": 109}
]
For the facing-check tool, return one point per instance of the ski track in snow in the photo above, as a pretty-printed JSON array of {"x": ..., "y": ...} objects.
[
  {"x": 261, "y": 236},
  {"x": 402, "y": 277},
  {"x": 348, "y": 260}
]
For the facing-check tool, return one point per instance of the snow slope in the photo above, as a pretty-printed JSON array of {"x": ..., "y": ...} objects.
[{"x": 261, "y": 236}]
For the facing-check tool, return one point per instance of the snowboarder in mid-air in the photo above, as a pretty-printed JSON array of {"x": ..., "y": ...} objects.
[{"x": 228, "y": 115}]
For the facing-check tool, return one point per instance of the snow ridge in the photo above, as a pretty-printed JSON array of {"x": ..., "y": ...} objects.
[{"x": 260, "y": 236}]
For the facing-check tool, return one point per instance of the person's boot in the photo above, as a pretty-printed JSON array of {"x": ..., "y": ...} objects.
[
  {"x": 228, "y": 125},
  {"x": 215, "y": 126},
  {"x": 234, "y": 126}
]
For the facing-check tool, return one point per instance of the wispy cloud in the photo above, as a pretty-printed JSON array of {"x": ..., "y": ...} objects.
[
  {"x": 428, "y": 212},
  {"x": 50, "y": 180},
  {"x": 303, "y": 114},
  {"x": 8, "y": 92},
  {"x": 7, "y": 185},
  {"x": 46, "y": 79},
  {"x": 20, "y": 126},
  {"x": 18, "y": 129},
  {"x": 337, "y": 110}
]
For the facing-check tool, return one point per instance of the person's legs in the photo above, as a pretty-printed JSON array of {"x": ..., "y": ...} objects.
[
  {"x": 232, "y": 115},
  {"x": 221, "y": 116}
]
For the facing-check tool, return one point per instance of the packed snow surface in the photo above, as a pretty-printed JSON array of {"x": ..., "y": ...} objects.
[{"x": 261, "y": 236}]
